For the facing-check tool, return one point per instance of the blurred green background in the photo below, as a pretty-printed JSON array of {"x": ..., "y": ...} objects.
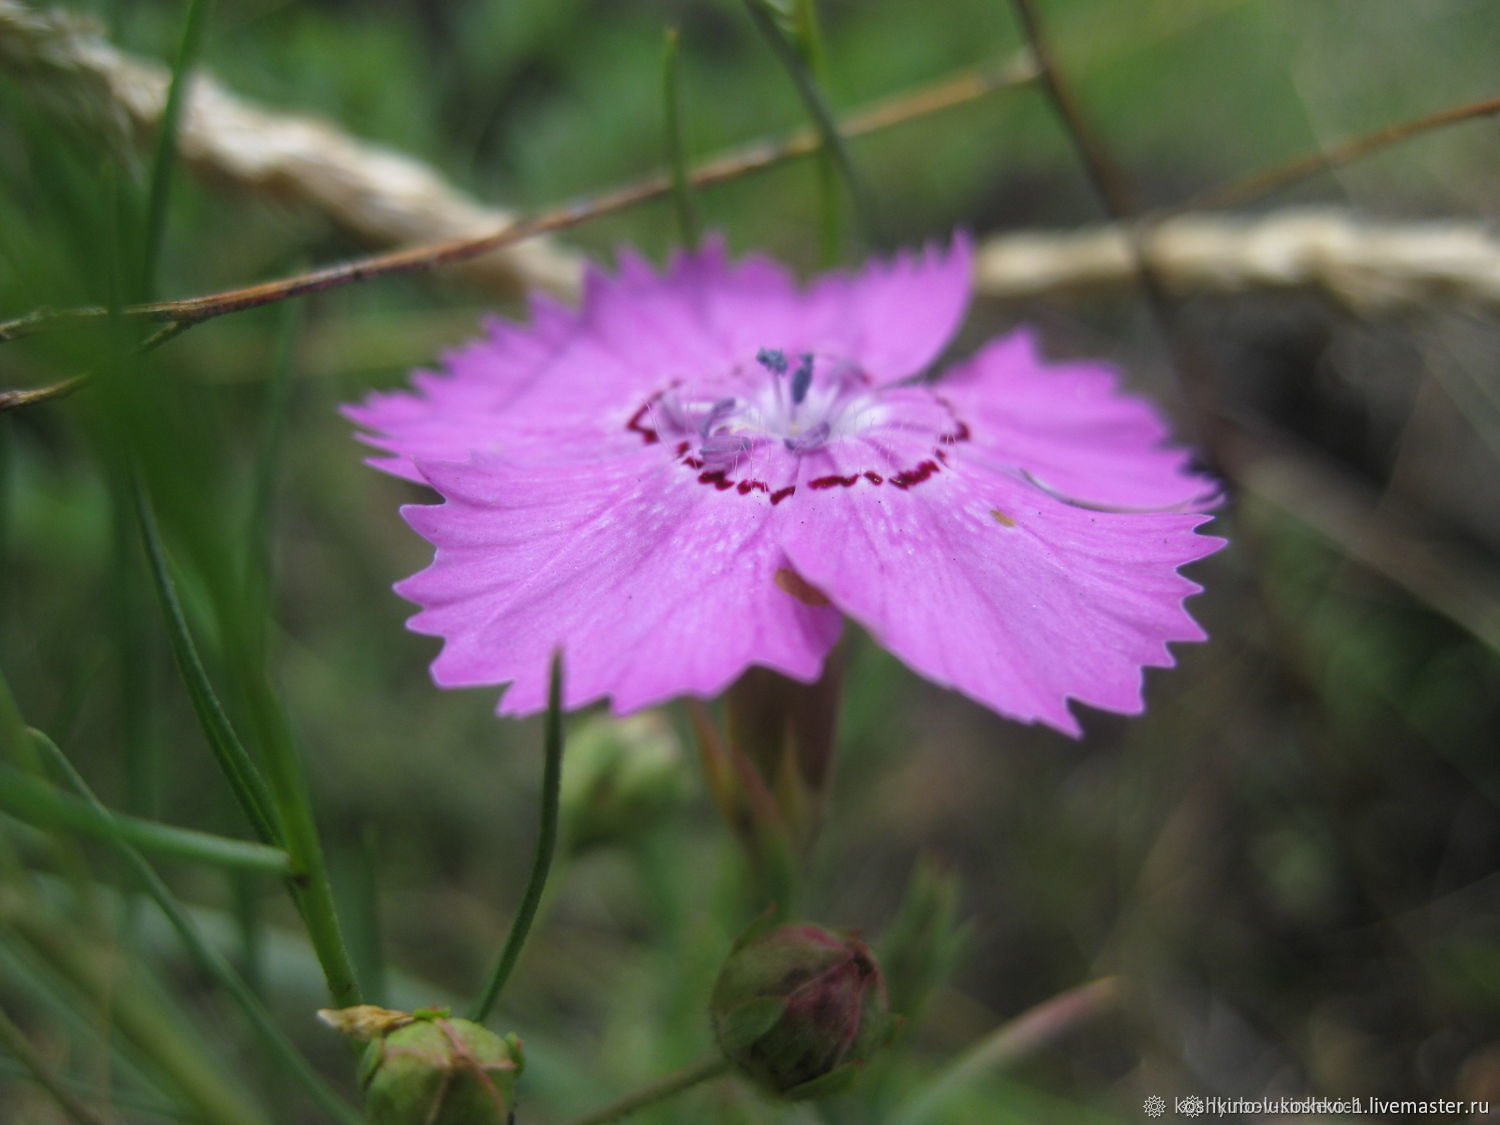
[{"x": 1290, "y": 859}]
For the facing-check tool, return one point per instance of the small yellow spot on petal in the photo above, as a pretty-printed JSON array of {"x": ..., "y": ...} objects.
[
  {"x": 1001, "y": 518},
  {"x": 794, "y": 584}
]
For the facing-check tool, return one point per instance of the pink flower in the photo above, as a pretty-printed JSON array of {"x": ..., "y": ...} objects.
[{"x": 710, "y": 467}]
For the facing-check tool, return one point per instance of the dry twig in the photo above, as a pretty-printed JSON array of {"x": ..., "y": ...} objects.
[
  {"x": 1365, "y": 265},
  {"x": 379, "y": 195}
]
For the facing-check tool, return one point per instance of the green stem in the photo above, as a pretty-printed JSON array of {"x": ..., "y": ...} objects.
[
  {"x": 1007, "y": 1045},
  {"x": 809, "y": 33},
  {"x": 37, "y": 803},
  {"x": 166, "y": 142},
  {"x": 688, "y": 223},
  {"x": 259, "y": 558},
  {"x": 285, "y": 799},
  {"x": 244, "y": 778},
  {"x": 546, "y": 844},
  {"x": 14, "y": 1040},
  {"x": 208, "y": 958},
  {"x": 822, "y": 115},
  {"x": 311, "y": 888},
  {"x": 658, "y": 1091}
]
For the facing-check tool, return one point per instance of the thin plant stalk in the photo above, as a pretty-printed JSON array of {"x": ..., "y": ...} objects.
[
  {"x": 258, "y": 558},
  {"x": 1008, "y": 1044},
  {"x": 179, "y": 315},
  {"x": 244, "y": 777},
  {"x": 546, "y": 845},
  {"x": 165, "y": 157},
  {"x": 763, "y": 15},
  {"x": 280, "y": 809},
  {"x": 311, "y": 888},
  {"x": 808, "y": 29},
  {"x": 689, "y": 225},
  {"x": 659, "y": 1091}
]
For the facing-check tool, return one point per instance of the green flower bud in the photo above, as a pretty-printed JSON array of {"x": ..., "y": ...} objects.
[
  {"x": 427, "y": 1069},
  {"x": 620, "y": 776},
  {"x": 925, "y": 939},
  {"x": 799, "y": 1009}
]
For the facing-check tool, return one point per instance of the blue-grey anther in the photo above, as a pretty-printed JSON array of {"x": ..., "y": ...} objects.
[
  {"x": 801, "y": 378},
  {"x": 772, "y": 359}
]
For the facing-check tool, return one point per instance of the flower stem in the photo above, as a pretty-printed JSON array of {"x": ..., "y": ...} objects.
[
  {"x": 809, "y": 35},
  {"x": 244, "y": 777},
  {"x": 1008, "y": 1044},
  {"x": 546, "y": 844},
  {"x": 280, "y": 809},
  {"x": 658, "y": 1091},
  {"x": 165, "y": 155},
  {"x": 823, "y": 119},
  {"x": 688, "y": 224}
]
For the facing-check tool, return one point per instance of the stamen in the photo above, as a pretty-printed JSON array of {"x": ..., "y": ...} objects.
[
  {"x": 724, "y": 449},
  {"x": 717, "y": 413},
  {"x": 811, "y": 439},
  {"x": 801, "y": 378},
  {"x": 773, "y": 360}
]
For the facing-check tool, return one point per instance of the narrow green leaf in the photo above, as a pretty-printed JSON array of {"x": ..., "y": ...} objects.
[
  {"x": 165, "y": 155},
  {"x": 244, "y": 778},
  {"x": 258, "y": 559},
  {"x": 765, "y": 17},
  {"x": 807, "y": 29},
  {"x": 37, "y": 803}
]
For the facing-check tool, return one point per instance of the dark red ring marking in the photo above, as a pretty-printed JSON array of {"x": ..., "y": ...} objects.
[{"x": 719, "y": 478}]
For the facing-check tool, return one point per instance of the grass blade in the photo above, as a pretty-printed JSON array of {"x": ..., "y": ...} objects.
[
  {"x": 244, "y": 777},
  {"x": 165, "y": 156},
  {"x": 764, "y": 16},
  {"x": 37, "y": 803},
  {"x": 208, "y": 958}
]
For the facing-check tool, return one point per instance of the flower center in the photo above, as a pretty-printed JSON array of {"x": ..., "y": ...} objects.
[
  {"x": 801, "y": 401},
  {"x": 752, "y": 425}
]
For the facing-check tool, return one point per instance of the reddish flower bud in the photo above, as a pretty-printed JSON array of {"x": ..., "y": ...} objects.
[{"x": 799, "y": 1009}]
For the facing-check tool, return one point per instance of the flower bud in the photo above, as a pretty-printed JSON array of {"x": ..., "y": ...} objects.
[
  {"x": 427, "y": 1069},
  {"x": 923, "y": 942},
  {"x": 799, "y": 1009},
  {"x": 620, "y": 776}
]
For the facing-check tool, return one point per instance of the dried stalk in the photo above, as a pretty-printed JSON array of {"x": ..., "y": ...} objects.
[
  {"x": 381, "y": 196},
  {"x": 391, "y": 200},
  {"x": 1365, "y": 265}
]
